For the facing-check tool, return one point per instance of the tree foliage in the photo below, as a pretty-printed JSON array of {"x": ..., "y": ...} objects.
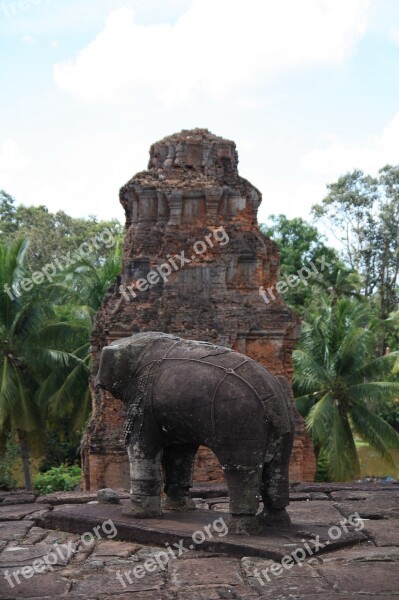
[
  {"x": 363, "y": 214},
  {"x": 339, "y": 382},
  {"x": 53, "y": 235},
  {"x": 45, "y": 330},
  {"x": 300, "y": 245},
  {"x": 44, "y": 359}
]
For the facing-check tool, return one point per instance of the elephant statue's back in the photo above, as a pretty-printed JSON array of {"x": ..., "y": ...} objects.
[{"x": 215, "y": 393}]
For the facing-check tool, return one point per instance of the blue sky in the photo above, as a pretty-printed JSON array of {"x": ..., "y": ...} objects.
[{"x": 308, "y": 89}]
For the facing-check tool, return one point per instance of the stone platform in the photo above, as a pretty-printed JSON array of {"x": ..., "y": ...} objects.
[{"x": 94, "y": 552}]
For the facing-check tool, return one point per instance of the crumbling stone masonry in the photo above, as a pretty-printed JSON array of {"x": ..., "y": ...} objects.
[{"x": 191, "y": 189}]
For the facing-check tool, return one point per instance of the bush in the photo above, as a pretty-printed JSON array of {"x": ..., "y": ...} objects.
[
  {"x": 7, "y": 481},
  {"x": 58, "y": 479},
  {"x": 61, "y": 448}
]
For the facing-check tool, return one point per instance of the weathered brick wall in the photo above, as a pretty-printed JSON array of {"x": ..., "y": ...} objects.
[{"x": 190, "y": 190}]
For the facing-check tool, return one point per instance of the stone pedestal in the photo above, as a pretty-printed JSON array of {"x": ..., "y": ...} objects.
[{"x": 191, "y": 191}]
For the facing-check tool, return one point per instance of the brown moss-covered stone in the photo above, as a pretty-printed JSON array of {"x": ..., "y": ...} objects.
[{"x": 191, "y": 193}]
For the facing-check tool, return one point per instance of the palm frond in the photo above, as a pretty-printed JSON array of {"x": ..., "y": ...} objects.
[
  {"x": 343, "y": 461},
  {"x": 320, "y": 419},
  {"x": 374, "y": 429},
  {"x": 373, "y": 390},
  {"x": 309, "y": 375},
  {"x": 304, "y": 404},
  {"x": 70, "y": 398}
]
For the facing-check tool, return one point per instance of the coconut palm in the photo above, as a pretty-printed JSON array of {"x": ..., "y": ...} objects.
[
  {"x": 90, "y": 281},
  {"x": 44, "y": 348},
  {"x": 63, "y": 341},
  {"x": 338, "y": 381},
  {"x": 19, "y": 317},
  {"x": 339, "y": 282}
]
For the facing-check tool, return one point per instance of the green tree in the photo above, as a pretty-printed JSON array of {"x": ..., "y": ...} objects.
[
  {"x": 52, "y": 236},
  {"x": 63, "y": 366},
  {"x": 363, "y": 214},
  {"x": 7, "y": 212},
  {"x": 89, "y": 281},
  {"x": 19, "y": 411},
  {"x": 338, "y": 382},
  {"x": 300, "y": 244},
  {"x": 341, "y": 282},
  {"x": 44, "y": 348},
  {"x": 65, "y": 391}
]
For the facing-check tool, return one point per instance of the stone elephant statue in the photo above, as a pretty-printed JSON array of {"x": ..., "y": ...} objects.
[{"x": 180, "y": 394}]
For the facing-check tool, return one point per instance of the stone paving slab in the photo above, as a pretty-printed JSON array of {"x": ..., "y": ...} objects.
[
  {"x": 320, "y": 513},
  {"x": 17, "y": 556},
  {"x": 355, "y": 566},
  {"x": 361, "y": 579},
  {"x": 14, "y": 530},
  {"x": 272, "y": 581},
  {"x": 383, "y": 532},
  {"x": 57, "y": 498},
  {"x": 19, "y": 511},
  {"x": 344, "y": 495},
  {"x": 375, "y": 506},
  {"x": 114, "y": 548},
  {"x": 351, "y": 486},
  {"x": 108, "y": 584},
  {"x": 24, "y": 498},
  {"x": 41, "y": 586},
  {"x": 152, "y": 595},
  {"x": 299, "y": 496},
  {"x": 366, "y": 553},
  {"x": 226, "y": 592},
  {"x": 175, "y": 526},
  {"x": 221, "y": 570}
]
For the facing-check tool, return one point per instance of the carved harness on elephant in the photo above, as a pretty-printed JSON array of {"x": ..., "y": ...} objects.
[{"x": 136, "y": 407}]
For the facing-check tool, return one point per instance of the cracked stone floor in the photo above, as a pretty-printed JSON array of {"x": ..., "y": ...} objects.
[{"x": 361, "y": 562}]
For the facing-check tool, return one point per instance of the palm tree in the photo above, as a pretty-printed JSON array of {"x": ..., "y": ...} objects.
[
  {"x": 44, "y": 356},
  {"x": 340, "y": 281},
  {"x": 19, "y": 411},
  {"x": 90, "y": 281},
  {"x": 338, "y": 380},
  {"x": 64, "y": 343}
]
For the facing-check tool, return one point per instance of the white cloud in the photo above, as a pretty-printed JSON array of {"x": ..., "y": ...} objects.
[
  {"x": 293, "y": 199},
  {"x": 12, "y": 161},
  {"x": 394, "y": 34},
  {"x": 81, "y": 178},
  {"x": 339, "y": 157},
  {"x": 28, "y": 39},
  {"x": 212, "y": 50}
]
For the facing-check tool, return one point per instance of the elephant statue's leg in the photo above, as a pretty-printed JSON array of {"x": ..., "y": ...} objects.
[
  {"x": 177, "y": 464},
  {"x": 275, "y": 481},
  {"x": 243, "y": 483},
  {"x": 145, "y": 455}
]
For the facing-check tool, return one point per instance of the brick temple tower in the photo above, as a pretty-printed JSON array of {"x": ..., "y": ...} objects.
[{"x": 190, "y": 191}]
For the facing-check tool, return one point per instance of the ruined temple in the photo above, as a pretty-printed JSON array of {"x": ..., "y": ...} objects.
[{"x": 191, "y": 219}]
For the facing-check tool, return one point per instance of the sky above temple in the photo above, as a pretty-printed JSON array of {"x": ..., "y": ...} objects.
[{"x": 308, "y": 89}]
